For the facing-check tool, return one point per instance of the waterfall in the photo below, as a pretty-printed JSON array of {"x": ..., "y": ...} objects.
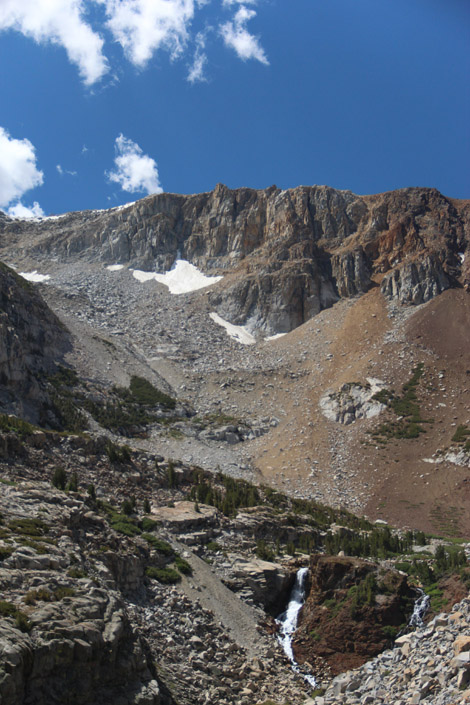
[
  {"x": 288, "y": 622},
  {"x": 419, "y": 610}
]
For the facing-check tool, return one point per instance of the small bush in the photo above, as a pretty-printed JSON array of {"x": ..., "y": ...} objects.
[
  {"x": 22, "y": 622},
  {"x": 63, "y": 591},
  {"x": 59, "y": 478},
  {"x": 183, "y": 566},
  {"x": 118, "y": 454},
  {"x": 5, "y": 552},
  {"x": 461, "y": 434},
  {"x": 76, "y": 573},
  {"x": 123, "y": 525},
  {"x": 167, "y": 576},
  {"x": 127, "y": 507},
  {"x": 161, "y": 546},
  {"x": 389, "y": 631},
  {"x": 7, "y": 609},
  {"x": 148, "y": 524},
  {"x": 213, "y": 546},
  {"x": 72, "y": 485},
  {"x": 263, "y": 551}
]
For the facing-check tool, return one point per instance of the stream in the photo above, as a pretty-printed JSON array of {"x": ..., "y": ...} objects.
[
  {"x": 288, "y": 622},
  {"x": 420, "y": 608}
]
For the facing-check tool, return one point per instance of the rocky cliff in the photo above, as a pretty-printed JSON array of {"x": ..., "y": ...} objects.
[
  {"x": 285, "y": 255},
  {"x": 352, "y": 611},
  {"x": 32, "y": 341}
]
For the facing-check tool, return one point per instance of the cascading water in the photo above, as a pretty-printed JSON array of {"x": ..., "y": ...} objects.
[
  {"x": 288, "y": 621},
  {"x": 420, "y": 608}
]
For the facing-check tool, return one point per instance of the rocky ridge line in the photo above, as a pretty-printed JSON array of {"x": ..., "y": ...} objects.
[{"x": 285, "y": 255}]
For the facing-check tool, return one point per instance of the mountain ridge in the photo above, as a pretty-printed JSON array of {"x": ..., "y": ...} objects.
[{"x": 289, "y": 253}]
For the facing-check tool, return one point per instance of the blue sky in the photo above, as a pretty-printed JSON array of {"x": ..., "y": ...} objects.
[{"x": 104, "y": 101}]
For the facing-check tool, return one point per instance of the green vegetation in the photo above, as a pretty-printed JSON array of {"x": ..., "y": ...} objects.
[
  {"x": 120, "y": 522},
  {"x": 213, "y": 546},
  {"x": 59, "y": 478},
  {"x": 118, "y": 454},
  {"x": 65, "y": 376},
  {"x": 158, "y": 545},
  {"x": 363, "y": 594},
  {"x": 376, "y": 543},
  {"x": 263, "y": 551},
  {"x": 45, "y": 595},
  {"x": 29, "y": 526},
  {"x": 131, "y": 407},
  {"x": 148, "y": 524},
  {"x": 12, "y": 424},
  {"x": 5, "y": 552},
  {"x": 183, "y": 566},
  {"x": 167, "y": 576},
  {"x": 390, "y": 631},
  {"x": 142, "y": 392},
  {"x": 77, "y": 573},
  {"x": 235, "y": 494},
  {"x": 461, "y": 434},
  {"x": 7, "y": 609},
  {"x": 68, "y": 414},
  {"x": 405, "y": 407},
  {"x": 72, "y": 484}
]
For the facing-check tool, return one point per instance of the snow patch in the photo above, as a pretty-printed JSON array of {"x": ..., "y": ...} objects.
[
  {"x": 124, "y": 205},
  {"x": 462, "y": 257},
  {"x": 238, "y": 333},
  {"x": 115, "y": 267},
  {"x": 34, "y": 276},
  {"x": 182, "y": 278},
  {"x": 275, "y": 337}
]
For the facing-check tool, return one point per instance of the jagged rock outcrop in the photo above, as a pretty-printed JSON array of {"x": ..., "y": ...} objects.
[
  {"x": 353, "y": 401},
  {"x": 285, "y": 255},
  {"x": 416, "y": 282},
  {"x": 82, "y": 649},
  {"x": 32, "y": 340}
]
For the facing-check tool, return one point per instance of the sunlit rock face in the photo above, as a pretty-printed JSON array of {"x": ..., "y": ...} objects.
[{"x": 284, "y": 255}]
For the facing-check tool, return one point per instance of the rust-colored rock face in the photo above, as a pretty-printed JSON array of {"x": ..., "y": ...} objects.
[
  {"x": 344, "y": 622},
  {"x": 290, "y": 253}
]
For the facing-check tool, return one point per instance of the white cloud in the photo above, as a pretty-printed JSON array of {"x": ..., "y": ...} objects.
[
  {"x": 24, "y": 212},
  {"x": 141, "y": 27},
  {"x": 229, "y": 3},
  {"x": 135, "y": 171},
  {"x": 196, "y": 72},
  {"x": 236, "y": 36},
  {"x": 18, "y": 172},
  {"x": 60, "y": 22},
  {"x": 144, "y": 26},
  {"x": 63, "y": 171}
]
